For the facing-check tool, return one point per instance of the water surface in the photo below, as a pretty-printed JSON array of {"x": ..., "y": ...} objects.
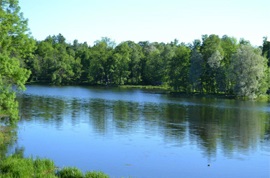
[{"x": 142, "y": 133}]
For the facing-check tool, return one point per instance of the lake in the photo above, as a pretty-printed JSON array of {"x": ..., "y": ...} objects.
[{"x": 145, "y": 133}]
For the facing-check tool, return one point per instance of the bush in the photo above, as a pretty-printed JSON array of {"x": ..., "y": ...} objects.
[
  {"x": 16, "y": 167},
  {"x": 95, "y": 175},
  {"x": 26, "y": 167},
  {"x": 70, "y": 172},
  {"x": 44, "y": 168}
]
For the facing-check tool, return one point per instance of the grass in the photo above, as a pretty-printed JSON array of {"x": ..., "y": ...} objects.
[
  {"x": 263, "y": 98},
  {"x": 161, "y": 87},
  {"x": 70, "y": 172},
  {"x": 95, "y": 174},
  {"x": 27, "y": 167},
  {"x": 19, "y": 167}
]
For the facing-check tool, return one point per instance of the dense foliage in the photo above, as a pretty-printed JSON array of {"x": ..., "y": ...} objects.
[
  {"x": 213, "y": 65},
  {"x": 15, "y": 47},
  {"x": 17, "y": 166}
]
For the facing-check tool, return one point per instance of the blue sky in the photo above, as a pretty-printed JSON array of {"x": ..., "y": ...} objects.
[{"x": 148, "y": 20}]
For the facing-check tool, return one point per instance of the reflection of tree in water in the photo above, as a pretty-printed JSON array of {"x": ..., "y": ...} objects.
[
  {"x": 266, "y": 135},
  {"x": 75, "y": 108},
  {"x": 118, "y": 114},
  {"x": 203, "y": 128},
  {"x": 125, "y": 114},
  {"x": 46, "y": 109},
  {"x": 166, "y": 120},
  {"x": 267, "y": 130},
  {"x": 174, "y": 122},
  {"x": 8, "y": 136},
  {"x": 228, "y": 129},
  {"x": 125, "y": 117},
  {"x": 244, "y": 128},
  {"x": 98, "y": 114}
]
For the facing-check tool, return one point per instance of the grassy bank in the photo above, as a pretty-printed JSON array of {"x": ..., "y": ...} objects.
[
  {"x": 17, "y": 166},
  {"x": 160, "y": 87},
  {"x": 166, "y": 89}
]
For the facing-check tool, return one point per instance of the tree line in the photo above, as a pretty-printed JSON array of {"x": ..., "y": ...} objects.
[{"x": 211, "y": 65}]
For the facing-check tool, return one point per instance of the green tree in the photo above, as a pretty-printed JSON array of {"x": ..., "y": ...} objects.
[
  {"x": 135, "y": 65},
  {"x": 211, "y": 44},
  {"x": 16, "y": 47},
  {"x": 62, "y": 69},
  {"x": 44, "y": 61},
  {"x": 145, "y": 50},
  {"x": 266, "y": 49},
  {"x": 216, "y": 70},
  {"x": 167, "y": 54},
  {"x": 82, "y": 56},
  {"x": 195, "y": 71},
  {"x": 179, "y": 69},
  {"x": 154, "y": 66},
  {"x": 101, "y": 63},
  {"x": 248, "y": 72},
  {"x": 229, "y": 46},
  {"x": 121, "y": 59},
  {"x": 56, "y": 62}
]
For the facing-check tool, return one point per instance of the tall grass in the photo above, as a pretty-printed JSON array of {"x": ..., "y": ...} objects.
[
  {"x": 161, "y": 87},
  {"x": 19, "y": 167},
  {"x": 95, "y": 174},
  {"x": 26, "y": 167}
]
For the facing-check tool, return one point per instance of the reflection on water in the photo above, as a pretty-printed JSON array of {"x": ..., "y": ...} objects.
[
  {"x": 143, "y": 134},
  {"x": 7, "y": 138}
]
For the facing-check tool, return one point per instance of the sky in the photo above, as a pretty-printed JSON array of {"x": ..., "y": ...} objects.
[{"x": 147, "y": 20}]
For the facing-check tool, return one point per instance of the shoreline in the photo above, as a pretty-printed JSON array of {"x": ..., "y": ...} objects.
[{"x": 163, "y": 89}]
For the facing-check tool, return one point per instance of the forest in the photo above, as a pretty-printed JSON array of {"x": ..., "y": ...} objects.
[{"x": 212, "y": 65}]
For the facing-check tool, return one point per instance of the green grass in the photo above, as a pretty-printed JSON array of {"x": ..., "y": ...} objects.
[
  {"x": 263, "y": 98},
  {"x": 70, "y": 172},
  {"x": 19, "y": 167},
  {"x": 161, "y": 87},
  {"x": 27, "y": 167},
  {"x": 95, "y": 174}
]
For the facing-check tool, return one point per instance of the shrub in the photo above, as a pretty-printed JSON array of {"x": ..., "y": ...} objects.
[
  {"x": 44, "y": 168},
  {"x": 16, "y": 167},
  {"x": 95, "y": 175},
  {"x": 70, "y": 172}
]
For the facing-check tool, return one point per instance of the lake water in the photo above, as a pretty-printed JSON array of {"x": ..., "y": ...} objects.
[{"x": 145, "y": 134}]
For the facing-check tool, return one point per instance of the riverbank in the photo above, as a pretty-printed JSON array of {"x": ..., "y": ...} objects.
[
  {"x": 165, "y": 89},
  {"x": 17, "y": 166}
]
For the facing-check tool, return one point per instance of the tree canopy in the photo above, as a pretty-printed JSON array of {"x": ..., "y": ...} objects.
[
  {"x": 16, "y": 46},
  {"x": 204, "y": 67},
  {"x": 248, "y": 72}
]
